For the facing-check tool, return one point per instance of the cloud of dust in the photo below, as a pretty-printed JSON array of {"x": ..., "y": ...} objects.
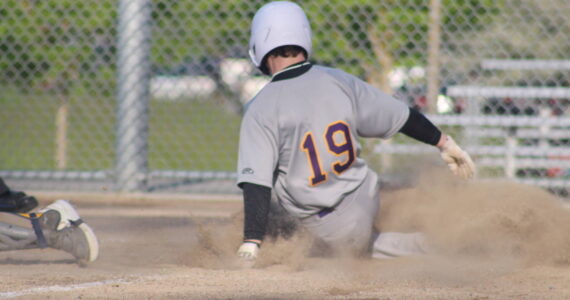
[
  {"x": 218, "y": 245},
  {"x": 481, "y": 219},
  {"x": 479, "y": 229}
]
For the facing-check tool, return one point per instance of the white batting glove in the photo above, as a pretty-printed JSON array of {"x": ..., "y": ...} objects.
[
  {"x": 248, "y": 250},
  {"x": 458, "y": 160}
]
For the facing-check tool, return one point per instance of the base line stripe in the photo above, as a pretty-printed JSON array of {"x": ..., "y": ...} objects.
[{"x": 60, "y": 288}]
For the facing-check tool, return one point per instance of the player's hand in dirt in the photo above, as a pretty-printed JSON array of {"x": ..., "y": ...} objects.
[
  {"x": 457, "y": 159},
  {"x": 247, "y": 253},
  {"x": 248, "y": 250}
]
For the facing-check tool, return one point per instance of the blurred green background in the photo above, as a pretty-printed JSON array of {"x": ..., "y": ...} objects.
[{"x": 63, "y": 53}]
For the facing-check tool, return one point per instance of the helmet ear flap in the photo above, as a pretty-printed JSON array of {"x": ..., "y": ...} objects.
[
  {"x": 263, "y": 66},
  {"x": 251, "y": 53}
]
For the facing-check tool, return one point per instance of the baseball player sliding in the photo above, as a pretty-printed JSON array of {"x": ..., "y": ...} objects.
[
  {"x": 57, "y": 226},
  {"x": 298, "y": 138}
]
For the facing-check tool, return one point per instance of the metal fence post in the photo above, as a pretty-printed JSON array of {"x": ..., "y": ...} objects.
[
  {"x": 510, "y": 155},
  {"x": 134, "y": 30},
  {"x": 434, "y": 43}
]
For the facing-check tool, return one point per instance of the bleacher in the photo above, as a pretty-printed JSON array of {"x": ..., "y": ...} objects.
[{"x": 520, "y": 143}]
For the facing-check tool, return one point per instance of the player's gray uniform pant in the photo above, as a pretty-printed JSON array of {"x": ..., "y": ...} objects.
[
  {"x": 14, "y": 237},
  {"x": 350, "y": 226}
]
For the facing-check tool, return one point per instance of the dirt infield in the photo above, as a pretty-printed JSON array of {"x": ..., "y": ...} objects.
[{"x": 493, "y": 241}]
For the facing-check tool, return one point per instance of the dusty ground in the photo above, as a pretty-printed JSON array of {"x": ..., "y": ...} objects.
[{"x": 493, "y": 241}]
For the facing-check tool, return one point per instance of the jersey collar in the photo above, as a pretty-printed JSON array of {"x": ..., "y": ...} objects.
[{"x": 292, "y": 71}]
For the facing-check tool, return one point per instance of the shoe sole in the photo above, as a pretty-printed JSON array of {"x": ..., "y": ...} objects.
[{"x": 91, "y": 241}]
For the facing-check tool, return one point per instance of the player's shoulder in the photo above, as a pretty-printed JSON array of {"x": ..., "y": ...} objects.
[
  {"x": 330, "y": 70},
  {"x": 335, "y": 73},
  {"x": 261, "y": 101},
  {"x": 340, "y": 78}
]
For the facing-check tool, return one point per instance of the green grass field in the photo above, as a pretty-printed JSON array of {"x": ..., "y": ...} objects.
[{"x": 184, "y": 135}]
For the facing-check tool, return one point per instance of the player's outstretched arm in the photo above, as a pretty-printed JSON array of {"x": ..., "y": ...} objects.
[
  {"x": 256, "y": 200},
  {"x": 420, "y": 128}
]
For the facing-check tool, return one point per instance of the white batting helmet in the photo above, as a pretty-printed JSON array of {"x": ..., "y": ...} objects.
[{"x": 276, "y": 24}]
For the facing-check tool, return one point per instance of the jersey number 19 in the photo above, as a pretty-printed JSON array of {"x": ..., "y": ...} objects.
[{"x": 346, "y": 147}]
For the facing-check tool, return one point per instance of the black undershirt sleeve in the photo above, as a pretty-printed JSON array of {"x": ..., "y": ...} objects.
[
  {"x": 420, "y": 128},
  {"x": 256, "y": 200}
]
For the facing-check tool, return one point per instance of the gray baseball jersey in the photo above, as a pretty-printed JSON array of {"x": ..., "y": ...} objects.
[{"x": 299, "y": 135}]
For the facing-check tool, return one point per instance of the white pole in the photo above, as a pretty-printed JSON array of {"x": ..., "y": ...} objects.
[
  {"x": 511, "y": 143},
  {"x": 434, "y": 42},
  {"x": 61, "y": 124},
  {"x": 544, "y": 129},
  {"x": 134, "y": 33}
]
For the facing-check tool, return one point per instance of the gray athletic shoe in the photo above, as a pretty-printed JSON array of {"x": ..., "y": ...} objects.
[{"x": 68, "y": 232}]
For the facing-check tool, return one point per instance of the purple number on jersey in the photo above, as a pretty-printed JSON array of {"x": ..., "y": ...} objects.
[
  {"x": 338, "y": 149},
  {"x": 345, "y": 147},
  {"x": 313, "y": 157}
]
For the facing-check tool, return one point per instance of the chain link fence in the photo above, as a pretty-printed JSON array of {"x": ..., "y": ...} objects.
[{"x": 141, "y": 95}]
